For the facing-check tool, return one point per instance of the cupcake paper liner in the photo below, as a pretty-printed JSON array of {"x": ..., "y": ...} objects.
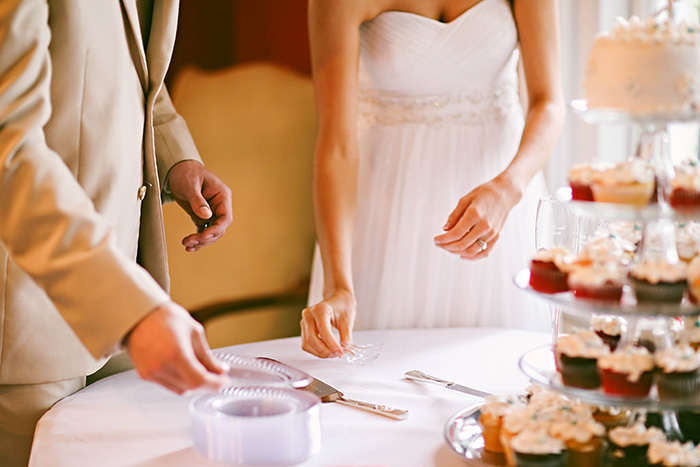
[
  {"x": 679, "y": 385},
  {"x": 616, "y": 383},
  {"x": 578, "y": 372},
  {"x": 546, "y": 278},
  {"x": 607, "y": 291},
  {"x": 581, "y": 192},
  {"x": 638, "y": 194},
  {"x": 661, "y": 292},
  {"x": 682, "y": 198},
  {"x": 540, "y": 460}
]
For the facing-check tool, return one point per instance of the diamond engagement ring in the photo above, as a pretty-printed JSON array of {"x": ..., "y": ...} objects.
[{"x": 482, "y": 244}]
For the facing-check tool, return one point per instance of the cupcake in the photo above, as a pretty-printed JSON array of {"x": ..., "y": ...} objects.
[
  {"x": 685, "y": 188},
  {"x": 673, "y": 454},
  {"x": 491, "y": 420},
  {"x": 657, "y": 281},
  {"x": 583, "y": 438},
  {"x": 581, "y": 177},
  {"x": 576, "y": 357},
  {"x": 544, "y": 407},
  {"x": 608, "y": 248},
  {"x": 549, "y": 270},
  {"x": 679, "y": 372},
  {"x": 687, "y": 240},
  {"x": 611, "y": 416},
  {"x": 628, "y": 231},
  {"x": 693, "y": 280},
  {"x": 628, "y": 445},
  {"x": 597, "y": 282},
  {"x": 628, "y": 372},
  {"x": 608, "y": 328},
  {"x": 536, "y": 448},
  {"x": 631, "y": 182}
]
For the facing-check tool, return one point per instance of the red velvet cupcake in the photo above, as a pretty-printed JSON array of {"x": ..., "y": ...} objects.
[
  {"x": 582, "y": 176},
  {"x": 685, "y": 188},
  {"x": 549, "y": 270},
  {"x": 627, "y": 372},
  {"x": 597, "y": 282}
]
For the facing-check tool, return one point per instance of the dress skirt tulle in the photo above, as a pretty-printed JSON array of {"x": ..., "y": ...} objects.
[{"x": 410, "y": 180}]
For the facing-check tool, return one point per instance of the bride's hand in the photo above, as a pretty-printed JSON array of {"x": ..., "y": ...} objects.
[
  {"x": 317, "y": 323},
  {"x": 475, "y": 224}
]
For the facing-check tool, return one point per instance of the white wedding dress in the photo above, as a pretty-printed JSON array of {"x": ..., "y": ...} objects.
[{"x": 439, "y": 115}]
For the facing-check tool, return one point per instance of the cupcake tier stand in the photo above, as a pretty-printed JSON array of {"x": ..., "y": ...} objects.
[
  {"x": 462, "y": 431},
  {"x": 657, "y": 222}
]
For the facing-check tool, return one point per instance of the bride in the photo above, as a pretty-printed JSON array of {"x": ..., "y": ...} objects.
[{"x": 427, "y": 171}]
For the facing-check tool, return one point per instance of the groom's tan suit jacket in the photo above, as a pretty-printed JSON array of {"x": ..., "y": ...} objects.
[{"x": 87, "y": 135}]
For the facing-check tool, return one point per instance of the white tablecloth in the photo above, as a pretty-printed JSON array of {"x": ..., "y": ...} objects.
[{"x": 123, "y": 420}]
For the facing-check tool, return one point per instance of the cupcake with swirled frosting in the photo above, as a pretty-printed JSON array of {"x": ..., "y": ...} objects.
[
  {"x": 628, "y": 445},
  {"x": 658, "y": 281},
  {"x": 630, "y": 232},
  {"x": 582, "y": 176},
  {"x": 549, "y": 269},
  {"x": 536, "y": 448},
  {"x": 688, "y": 240},
  {"x": 583, "y": 438},
  {"x": 576, "y": 357},
  {"x": 597, "y": 282},
  {"x": 628, "y": 372},
  {"x": 679, "y": 372},
  {"x": 608, "y": 248},
  {"x": 685, "y": 187},
  {"x": 673, "y": 454},
  {"x": 491, "y": 419},
  {"x": 631, "y": 182}
]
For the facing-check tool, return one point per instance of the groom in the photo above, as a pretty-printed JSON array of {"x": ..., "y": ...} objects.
[{"x": 90, "y": 145}]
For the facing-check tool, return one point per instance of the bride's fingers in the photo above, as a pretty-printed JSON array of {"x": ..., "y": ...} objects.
[
  {"x": 481, "y": 229},
  {"x": 317, "y": 335},
  {"x": 457, "y": 213},
  {"x": 458, "y": 231},
  {"x": 477, "y": 251}
]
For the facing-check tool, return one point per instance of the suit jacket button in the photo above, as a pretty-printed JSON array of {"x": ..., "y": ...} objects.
[{"x": 142, "y": 193}]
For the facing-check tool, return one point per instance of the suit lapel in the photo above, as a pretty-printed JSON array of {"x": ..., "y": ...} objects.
[
  {"x": 161, "y": 40},
  {"x": 136, "y": 41}
]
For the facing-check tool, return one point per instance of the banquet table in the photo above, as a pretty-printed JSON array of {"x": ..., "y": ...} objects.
[{"x": 123, "y": 420}]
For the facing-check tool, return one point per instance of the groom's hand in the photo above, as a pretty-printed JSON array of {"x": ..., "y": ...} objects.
[
  {"x": 168, "y": 347},
  {"x": 205, "y": 198}
]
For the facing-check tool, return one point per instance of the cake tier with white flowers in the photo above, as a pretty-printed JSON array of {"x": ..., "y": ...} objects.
[{"x": 645, "y": 66}]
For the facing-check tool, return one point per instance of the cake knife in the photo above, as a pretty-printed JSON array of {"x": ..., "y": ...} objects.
[
  {"x": 328, "y": 393},
  {"x": 416, "y": 375}
]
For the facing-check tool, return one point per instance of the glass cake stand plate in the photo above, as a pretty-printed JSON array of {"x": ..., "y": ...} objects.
[
  {"x": 627, "y": 306},
  {"x": 610, "y": 115},
  {"x": 539, "y": 365},
  {"x": 250, "y": 371},
  {"x": 597, "y": 209},
  {"x": 463, "y": 436}
]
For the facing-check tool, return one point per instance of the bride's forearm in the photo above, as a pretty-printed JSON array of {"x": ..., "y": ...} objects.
[
  {"x": 542, "y": 128},
  {"x": 335, "y": 190}
]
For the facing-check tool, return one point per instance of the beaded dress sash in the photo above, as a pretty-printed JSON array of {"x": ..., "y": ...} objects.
[{"x": 468, "y": 108}]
